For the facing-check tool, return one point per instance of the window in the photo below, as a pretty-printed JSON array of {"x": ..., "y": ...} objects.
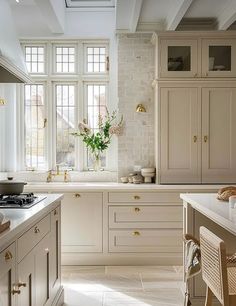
[
  {"x": 65, "y": 59},
  {"x": 65, "y": 117},
  {"x": 34, "y": 59},
  {"x": 96, "y": 106},
  {"x": 96, "y": 59},
  {"x": 34, "y": 126},
  {"x": 63, "y": 94}
]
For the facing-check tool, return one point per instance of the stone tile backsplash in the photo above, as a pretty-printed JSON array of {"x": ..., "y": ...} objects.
[{"x": 135, "y": 76}]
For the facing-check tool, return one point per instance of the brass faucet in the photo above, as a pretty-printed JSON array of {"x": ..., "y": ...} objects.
[{"x": 52, "y": 173}]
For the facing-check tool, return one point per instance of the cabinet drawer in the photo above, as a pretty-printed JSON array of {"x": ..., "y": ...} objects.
[
  {"x": 142, "y": 216},
  {"x": 143, "y": 197},
  {"x": 146, "y": 241},
  {"x": 32, "y": 237},
  {"x": 7, "y": 258}
]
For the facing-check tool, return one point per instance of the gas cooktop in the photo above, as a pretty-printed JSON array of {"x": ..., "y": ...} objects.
[{"x": 22, "y": 201}]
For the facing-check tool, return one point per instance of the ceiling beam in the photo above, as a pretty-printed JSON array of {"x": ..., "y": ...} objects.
[
  {"x": 53, "y": 12},
  {"x": 228, "y": 16},
  {"x": 127, "y": 15},
  {"x": 174, "y": 19},
  {"x": 137, "y": 6}
]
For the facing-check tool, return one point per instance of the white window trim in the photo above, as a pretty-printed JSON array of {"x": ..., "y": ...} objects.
[{"x": 80, "y": 78}]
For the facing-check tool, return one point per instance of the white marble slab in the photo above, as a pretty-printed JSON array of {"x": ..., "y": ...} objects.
[
  {"x": 218, "y": 211},
  {"x": 22, "y": 218},
  {"x": 106, "y": 186}
]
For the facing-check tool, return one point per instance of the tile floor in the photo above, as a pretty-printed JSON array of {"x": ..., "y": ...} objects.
[{"x": 122, "y": 286}]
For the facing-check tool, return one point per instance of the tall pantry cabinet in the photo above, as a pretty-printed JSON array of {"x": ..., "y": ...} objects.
[{"x": 195, "y": 93}]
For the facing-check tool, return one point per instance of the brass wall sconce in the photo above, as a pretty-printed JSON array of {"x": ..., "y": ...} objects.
[
  {"x": 140, "y": 108},
  {"x": 2, "y": 102}
]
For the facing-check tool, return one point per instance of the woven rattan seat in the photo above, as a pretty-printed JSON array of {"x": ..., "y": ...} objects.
[{"x": 220, "y": 279}]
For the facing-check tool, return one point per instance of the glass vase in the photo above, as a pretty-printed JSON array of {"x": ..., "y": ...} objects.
[{"x": 97, "y": 162}]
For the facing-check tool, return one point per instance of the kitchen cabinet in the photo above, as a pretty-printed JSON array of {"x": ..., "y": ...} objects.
[
  {"x": 82, "y": 222},
  {"x": 218, "y": 58},
  {"x": 7, "y": 276},
  {"x": 197, "y": 128},
  {"x": 178, "y": 58},
  {"x": 30, "y": 267}
]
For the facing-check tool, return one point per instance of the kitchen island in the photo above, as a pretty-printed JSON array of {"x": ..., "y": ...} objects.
[
  {"x": 205, "y": 210},
  {"x": 30, "y": 255}
]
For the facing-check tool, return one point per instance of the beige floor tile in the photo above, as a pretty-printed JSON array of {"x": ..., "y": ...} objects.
[
  {"x": 75, "y": 298},
  {"x": 156, "y": 298}
]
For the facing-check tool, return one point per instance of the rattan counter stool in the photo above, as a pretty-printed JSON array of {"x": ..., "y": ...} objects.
[{"x": 219, "y": 278}]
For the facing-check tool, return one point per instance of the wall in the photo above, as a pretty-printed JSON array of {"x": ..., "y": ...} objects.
[{"x": 135, "y": 75}]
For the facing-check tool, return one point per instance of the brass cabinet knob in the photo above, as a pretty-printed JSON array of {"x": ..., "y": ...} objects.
[
  {"x": 36, "y": 230},
  {"x": 136, "y": 233},
  {"x": 15, "y": 291},
  {"x": 20, "y": 284},
  {"x": 205, "y": 138},
  {"x": 194, "y": 138},
  {"x": 55, "y": 212},
  {"x": 77, "y": 195},
  {"x": 136, "y": 197},
  {"x": 8, "y": 255},
  {"x": 137, "y": 209}
]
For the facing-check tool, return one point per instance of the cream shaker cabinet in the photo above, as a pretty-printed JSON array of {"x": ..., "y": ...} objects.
[
  {"x": 8, "y": 291},
  {"x": 82, "y": 227},
  {"x": 197, "y": 134}
]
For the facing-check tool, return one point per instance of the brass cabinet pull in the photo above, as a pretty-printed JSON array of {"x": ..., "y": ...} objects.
[
  {"x": 36, "y": 230},
  {"x": 205, "y": 138},
  {"x": 20, "y": 284},
  {"x": 136, "y": 197},
  {"x": 55, "y": 212},
  {"x": 8, "y": 255},
  {"x": 137, "y": 209},
  {"x": 15, "y": 291},
  {"x": 77, "y": 195},
  {"x": 194, "y": 138},
  {"x": 45, "y": 121},
  {"x": 136, "y": 233}
]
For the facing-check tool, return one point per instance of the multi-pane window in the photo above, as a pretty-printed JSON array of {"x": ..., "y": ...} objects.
[
  {"x": 96, "y": 59},
  {"x": 34, "y": 126},
  {"x": 72, "y": 95},
  {"x": 65, "y": 117},
  {"x": 96, "y": 106},
  {"x": 34, "y": 58},
  {"x": 65, "y": 59}
]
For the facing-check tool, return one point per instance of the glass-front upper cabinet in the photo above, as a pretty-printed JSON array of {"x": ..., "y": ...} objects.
[
  {"x": 218, "y": 58},
  {"x": 178, "y": 58}
]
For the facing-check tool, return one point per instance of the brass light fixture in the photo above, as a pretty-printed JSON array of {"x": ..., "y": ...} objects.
[{"x": 140, "y": 108}]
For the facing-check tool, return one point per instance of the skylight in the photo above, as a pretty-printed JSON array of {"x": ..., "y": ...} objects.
[{"x": 90, "y": 3}]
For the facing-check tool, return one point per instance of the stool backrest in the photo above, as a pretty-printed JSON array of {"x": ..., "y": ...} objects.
[{"x": 214, "y": 269}]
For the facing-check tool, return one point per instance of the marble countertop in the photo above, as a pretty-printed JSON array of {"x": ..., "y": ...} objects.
[
  {"x": 22, "y": 218},
  {"x": 218, "y": 211},
  {"x": 106, "y": 186}
]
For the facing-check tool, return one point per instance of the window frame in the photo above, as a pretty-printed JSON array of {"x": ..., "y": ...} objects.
[
  {"x": 37, "y": 44},
  {"x": 91, "y": 45},
  {"x": 80, "y": 78}
]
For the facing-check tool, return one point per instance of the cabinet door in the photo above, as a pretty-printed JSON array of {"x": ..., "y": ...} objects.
[
  {"x": 26, "y": 277},
  {"x": 7, "y": 276},
  {"x": 178, "y": 58},
  {"x": 42, "y": 262},
  {"x": 218, "y": 133},
  {"x": 55, "y": 254},
  {"x": 82, "y": 222},
  {"x": 180, "y": 136},
  {"x": 218, "y": 58}
]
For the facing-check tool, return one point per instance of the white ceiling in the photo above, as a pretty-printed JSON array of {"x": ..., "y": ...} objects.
[{"x": 58, "y": 17}]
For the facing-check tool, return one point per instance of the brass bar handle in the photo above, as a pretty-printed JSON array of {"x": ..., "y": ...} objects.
[
  {"x": 136, "y": 233},
  {"x": 15, "y": 291},
  {"x": 205, "y": 138},
  {"x": 36, "y": 230},
  {"x": 107, "y": 63},
  {"x": 136, "y": 197},
  {"x": 194, "y": 138},
  {"x": 77, "y": 195},
  {"x": 137, "y": 209},
  {"x": 20, "y": 284},
  {"x": 8, "y": 256},
  {"x": 45, "y": 121}
]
